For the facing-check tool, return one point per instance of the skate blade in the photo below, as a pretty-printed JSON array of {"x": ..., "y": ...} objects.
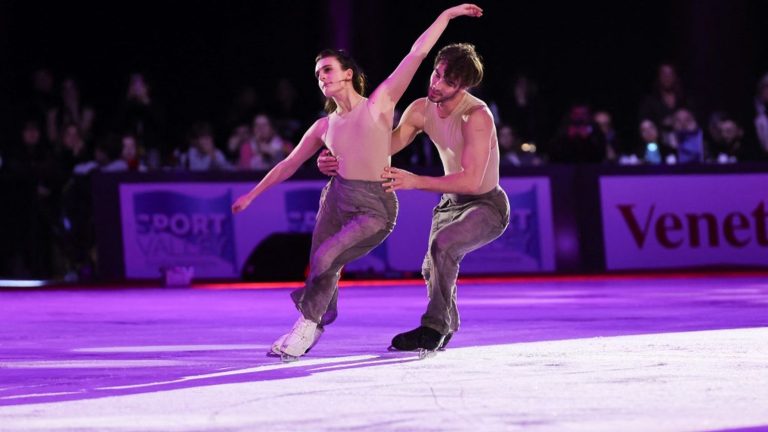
[
  {"x": 425, "y": 353},
  {"x": 287, "y": 358},
  {"x": 273, "y": 353}
]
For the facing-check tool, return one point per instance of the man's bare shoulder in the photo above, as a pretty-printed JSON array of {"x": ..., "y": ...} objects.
[
  {"x": 418, "y": 105},
  {"x": 478, "y": 115}
]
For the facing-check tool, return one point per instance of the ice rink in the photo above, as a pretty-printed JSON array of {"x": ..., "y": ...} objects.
[{"x": 644, "y": 353}]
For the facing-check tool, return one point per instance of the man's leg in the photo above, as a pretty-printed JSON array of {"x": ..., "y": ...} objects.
[{"x": 457, "y": 230}]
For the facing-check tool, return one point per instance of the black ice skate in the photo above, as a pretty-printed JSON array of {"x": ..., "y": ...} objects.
[{"x": 423, "y": 339}]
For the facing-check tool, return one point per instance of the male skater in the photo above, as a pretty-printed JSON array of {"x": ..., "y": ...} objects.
[{"x": 473, "y": 209}]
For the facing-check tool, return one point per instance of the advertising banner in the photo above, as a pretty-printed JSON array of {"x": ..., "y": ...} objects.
[
  {"x": 190, "y": 224},
  {"x": 684, "y": 221}
]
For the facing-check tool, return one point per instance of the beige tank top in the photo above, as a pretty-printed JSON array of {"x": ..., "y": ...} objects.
[
  {"x": 360, "y": 143},
  {"x": 446, "y": 134}
]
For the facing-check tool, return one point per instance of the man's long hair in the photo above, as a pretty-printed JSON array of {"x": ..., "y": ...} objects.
[{"x": 462, "y": 64}]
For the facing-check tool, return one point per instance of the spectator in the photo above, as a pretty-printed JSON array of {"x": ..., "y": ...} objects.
[
  {"x": 666, "y": 98},
  {"x": 265, "y": 149},
  {"x": 203, "y": 154},
  {"x": 509, "y": 143},
  {"x": 241, "y": 135},
  {"x": 120, "y": 153},
  {"x": 578, "y": 139},
  {"x": 514, "y": 152},
  {"x": 70, "y": 110},
  {"x": 42, "y": 99},
  {"x": 653, "y": 149},
  {"x": 522, "y": 109},
  {"x": 33, "y": 194},
  {"x": 604, "y": 121},
  {"x": 687, "y": 138},
  {"x": 727, "y": 144},
  {"x": 287, "y": 113},
  {"x": 761, "y": 114},
  {"x": 73, "y": 151},
  {"x": 141, "y": 116},
  {"x": 245, "y": 104}
]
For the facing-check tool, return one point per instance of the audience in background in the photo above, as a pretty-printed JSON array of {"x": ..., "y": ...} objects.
[
  {"x": 265, "y": 148},
  {"x": 70, "y": 110},
  {"x": 522, "y": 109},
  {"x": 761, "y": 115},
  {"x": 240, "y": 135},
  {"x": 666, "y": 98},
  {"x": 513, "y": 151},
  {"x": 288, "y": 112},
  {"x": 41, "y": 99},
  {"x": 653, "y": 148},
  {"x": 578, "y": 138},
  {"x": 687, "y": 138},
  {"x": 726, "y": 144},
  {"x": 604, "y": 121},
  {"x": 140, "y": 115},
  {"x": 202, "y": 154},
  {"x": 46, "y": 171}
]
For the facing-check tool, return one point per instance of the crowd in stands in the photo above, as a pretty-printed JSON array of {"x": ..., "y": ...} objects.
[{"x": 60, "y": 139}]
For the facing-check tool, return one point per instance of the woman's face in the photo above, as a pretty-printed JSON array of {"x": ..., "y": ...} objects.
[
  {"x": 331, "y": 78},
  {"x": 262, "y": 128},
  {"x": 648, "y": 131}
]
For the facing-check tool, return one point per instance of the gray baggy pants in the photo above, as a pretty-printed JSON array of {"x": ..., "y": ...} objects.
[
  {"x": 354, "y": 217},
  {"x": 460, "y": 224}
]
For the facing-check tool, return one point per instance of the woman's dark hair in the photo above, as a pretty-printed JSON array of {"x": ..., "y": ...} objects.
[{"x": 347, "y": 62}]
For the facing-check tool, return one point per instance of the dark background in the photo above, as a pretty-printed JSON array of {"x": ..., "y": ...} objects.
[{"x": 198, "y": 53}]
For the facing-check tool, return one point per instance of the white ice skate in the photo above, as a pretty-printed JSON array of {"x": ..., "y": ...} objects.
[
  {"x": 298, "y": 340},
  {"x": 275, "y": 351}
]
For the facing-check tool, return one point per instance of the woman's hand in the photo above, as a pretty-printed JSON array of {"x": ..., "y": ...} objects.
[
  {"x": 241, "y": 203},
  {"x": 467, "y": 9}
]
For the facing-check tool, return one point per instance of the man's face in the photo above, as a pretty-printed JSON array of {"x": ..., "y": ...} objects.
[
  {"x": 730, "y": 131},
  {"x": 667, "y": 77},
  {"x": 442, "y": 89},
  {"x": 684, "y": 121}
]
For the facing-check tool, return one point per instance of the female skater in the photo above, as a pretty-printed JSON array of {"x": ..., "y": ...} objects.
[{"x": 355, "y": 213}]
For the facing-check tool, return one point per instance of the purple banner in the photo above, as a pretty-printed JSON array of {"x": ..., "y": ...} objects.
[
  {"x": 190, "y": 224},
  {"x": 684, "y": 221}
]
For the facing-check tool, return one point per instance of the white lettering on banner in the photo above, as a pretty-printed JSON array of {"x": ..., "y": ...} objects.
[
  {"x": 164, "y": 245},
  {"x": 673, "y": 230},
  {"x": 181, "y": 224},
  {"x": 520, "y": 218}
]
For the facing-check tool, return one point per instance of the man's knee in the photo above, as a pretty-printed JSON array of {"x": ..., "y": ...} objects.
[{"x": 441, "y": 247}]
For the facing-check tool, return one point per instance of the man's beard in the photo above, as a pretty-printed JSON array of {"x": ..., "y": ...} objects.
[{"x": 440, "y": 97}]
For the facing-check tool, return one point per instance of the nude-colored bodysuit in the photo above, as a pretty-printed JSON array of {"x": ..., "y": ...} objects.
[{"x": 360, "y": 143}]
